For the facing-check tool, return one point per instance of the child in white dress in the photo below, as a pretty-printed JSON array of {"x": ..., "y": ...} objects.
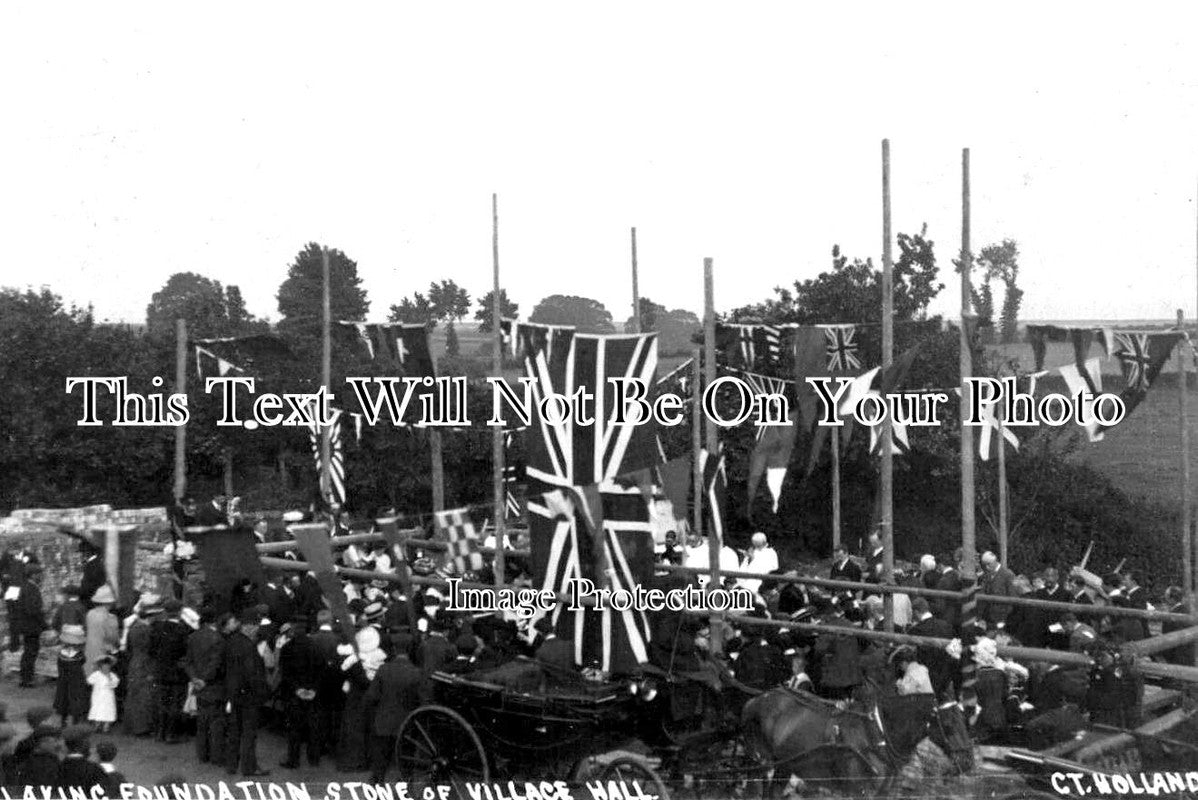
[{"x": 103, "y": 705}]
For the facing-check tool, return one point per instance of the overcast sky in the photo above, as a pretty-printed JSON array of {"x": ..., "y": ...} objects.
[{"x": 140, "y": 141}]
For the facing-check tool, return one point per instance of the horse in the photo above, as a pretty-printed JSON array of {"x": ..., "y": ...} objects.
[{"x": 805, "y": 738}]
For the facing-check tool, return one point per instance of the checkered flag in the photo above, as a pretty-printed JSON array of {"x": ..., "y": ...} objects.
[{"x": 463, "y": 541}]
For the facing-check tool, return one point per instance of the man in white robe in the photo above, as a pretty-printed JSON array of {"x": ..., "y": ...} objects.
[{"x": 761, "y": 559}]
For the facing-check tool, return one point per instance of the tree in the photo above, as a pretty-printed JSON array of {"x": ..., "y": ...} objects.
[
  {"x": 851, "y": 292},
  {"x": 413, "y": 310},
  {"x": 1002, "y": 261},
  {"x": 301, "y": 296},
  {"x": 507, "y": 309},
  {"x": 201, "y": 301},
  {"x": 585, "y": 314},
  {"x": 449, "y": 302},
  {"x": 675, "y": 329},
  {"x": 649, "y": 312}
]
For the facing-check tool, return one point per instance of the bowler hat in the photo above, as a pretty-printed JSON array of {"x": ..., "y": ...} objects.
[{"x": 104, "y": 596}]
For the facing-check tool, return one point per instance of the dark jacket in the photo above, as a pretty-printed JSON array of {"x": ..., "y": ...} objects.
[
  {"x": 760, "y": 664},
  {"x": 72, "y": 612},
  {"x": 78, "y": 772},
  {"x": 1131, "y": 629},
  {"x": 435, "y": 652},
  {"x": 849, "y": 572},
  {"x": 942, "y": 668},
  {"x": 398, "y": 689},
  {"x": 301, "y": 666},
  {"x": 281, "y": 605},
  {"x": 245, "y": 672},
  {"x": 28, "y": 613},
  {"x": 204, "y": 661},
  {"x": 945, "y": 608},
  {"x": 168, "y": 648},
  {"x": 839, "y": 657},
  {"x": 94, "y": 576},
  {"x": 558, "y": 653},
  {"x": 998, "y": 583},
  {"x": 40, "y": 769}
]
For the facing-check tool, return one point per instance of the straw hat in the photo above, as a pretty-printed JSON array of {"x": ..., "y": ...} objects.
[{"x": 72, "y": 634}]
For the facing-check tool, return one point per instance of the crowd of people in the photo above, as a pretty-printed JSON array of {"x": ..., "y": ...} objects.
[{"x": 273, "y": 654}]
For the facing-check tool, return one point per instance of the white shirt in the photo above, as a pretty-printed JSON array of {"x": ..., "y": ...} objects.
[{"x": 763, "y": 562}]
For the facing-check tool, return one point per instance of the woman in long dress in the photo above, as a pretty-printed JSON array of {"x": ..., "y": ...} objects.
[{"x": 141, "y": 694}]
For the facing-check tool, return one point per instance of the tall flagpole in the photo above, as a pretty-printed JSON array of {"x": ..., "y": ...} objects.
[
  {"x": 835, "y": 488},
  {"x": 326, "y": 379},
  {"x": 497, "y": 454},
  {"x": 1003, "y": 520},
  {"x": 697, "y": 443},
  {"x": 636, "y": 294},
  {"x": 180, "y": 430},
  {"x": 1184, "y": 476},
  {"x": 968, "y": 541},
  {"x": 887, "y": 358},
  {"x": 713, "y": 435}
]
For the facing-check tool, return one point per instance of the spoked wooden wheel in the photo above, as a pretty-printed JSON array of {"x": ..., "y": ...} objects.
[
  {"x": 436, "y": 745},
  {"x": 626, "y": 770}
]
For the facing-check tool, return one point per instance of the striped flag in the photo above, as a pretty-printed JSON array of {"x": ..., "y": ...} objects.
[
  {"x": 715, "y": 487},
  {"x": 575, "y": 521},
  {"x": 336, "y": 492},
  {"x": 511, "y": 474},
  {"x": 463, "y": 539}
]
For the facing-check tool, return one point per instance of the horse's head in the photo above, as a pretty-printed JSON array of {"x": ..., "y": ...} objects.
[{"x": 949, "y": 732}]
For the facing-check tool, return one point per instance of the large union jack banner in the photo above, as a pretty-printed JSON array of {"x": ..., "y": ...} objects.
[
  {"x": 566, "y": 453},
  {"x": 568, "y": 527},
  {"x": 585, "y": 521},
  {"x": 1142, "y": 355}
]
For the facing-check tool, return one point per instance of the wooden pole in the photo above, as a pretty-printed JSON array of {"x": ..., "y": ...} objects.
[
  {"x": 697, "y": 444},
  {"x": 326, "y": 376},
  {"x": 887, "y": 357},
  {"x": 835, "y": 488},
  {"x": 636, "y": 293},
  {"x": 1184, "y": 475},
  {"x": 713, "y": 435},
  {"x": 1003, "y": 522},
  {"x": 968, "y": 541},
  {"x": 180, "y": 430},
  {"x": 498, "y": 490}
]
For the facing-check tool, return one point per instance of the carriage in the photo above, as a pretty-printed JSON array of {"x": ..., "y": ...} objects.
[{"x": 672, "y": 737}]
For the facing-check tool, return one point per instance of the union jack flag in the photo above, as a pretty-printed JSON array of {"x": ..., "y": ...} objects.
[
  {"x": 602, "y": 533},
  {"x": 842, "y": 348},
  {"x": 463, "y": 540},
  {"x": 511, "y": 474},
  {"x": 565, "y": 453},
  {"x": 1132, "y": 351},
  {"x": 771, "y": 338},
  {"x": 763, "y": 386}
]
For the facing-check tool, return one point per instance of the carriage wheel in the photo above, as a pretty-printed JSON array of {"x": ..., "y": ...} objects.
[
  {"x": 436, "y": 745},
  {"x": 625, "y": 770}
]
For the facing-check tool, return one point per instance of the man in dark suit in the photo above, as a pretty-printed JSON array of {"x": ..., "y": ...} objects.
[
  {"x": 556, "y": 653},
  {"x": 998, "y": 581},
  {"x": 949, "y": 580},
  {"x": 28, "y": 620},
  {"x": 843, "y": 567},
  {"x": 1175, "y": 601},
  {"x": 279, "y": 601},
  {"x": 873, "y": 561},
  {"x": 1131, "y": 595},
  {"x": 77, "y": 770},
  {"x": 941, "y": 667},
  {"x": 94, "y": 573},
  {"x": 399, "y": 688},
  {"x": 436, "y": 650},
  {"x": 168, "y": 646},
  {"x": 204, "y": 664},
  {"x": 761, "y": 663},
  {"x": 212, "y": 514},
  {"x": 246, "y": 690},
  {"x": 301, "y": 672},
  {"x": 329, "y": 697},
  {"x": 839, "y": 656}
]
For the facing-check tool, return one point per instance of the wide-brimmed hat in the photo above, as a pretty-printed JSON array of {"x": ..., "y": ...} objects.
[
  {"x": 104, "y": 596},
  {"x": 373, "y": 611},
  {"x": 72, "y": 634}
]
